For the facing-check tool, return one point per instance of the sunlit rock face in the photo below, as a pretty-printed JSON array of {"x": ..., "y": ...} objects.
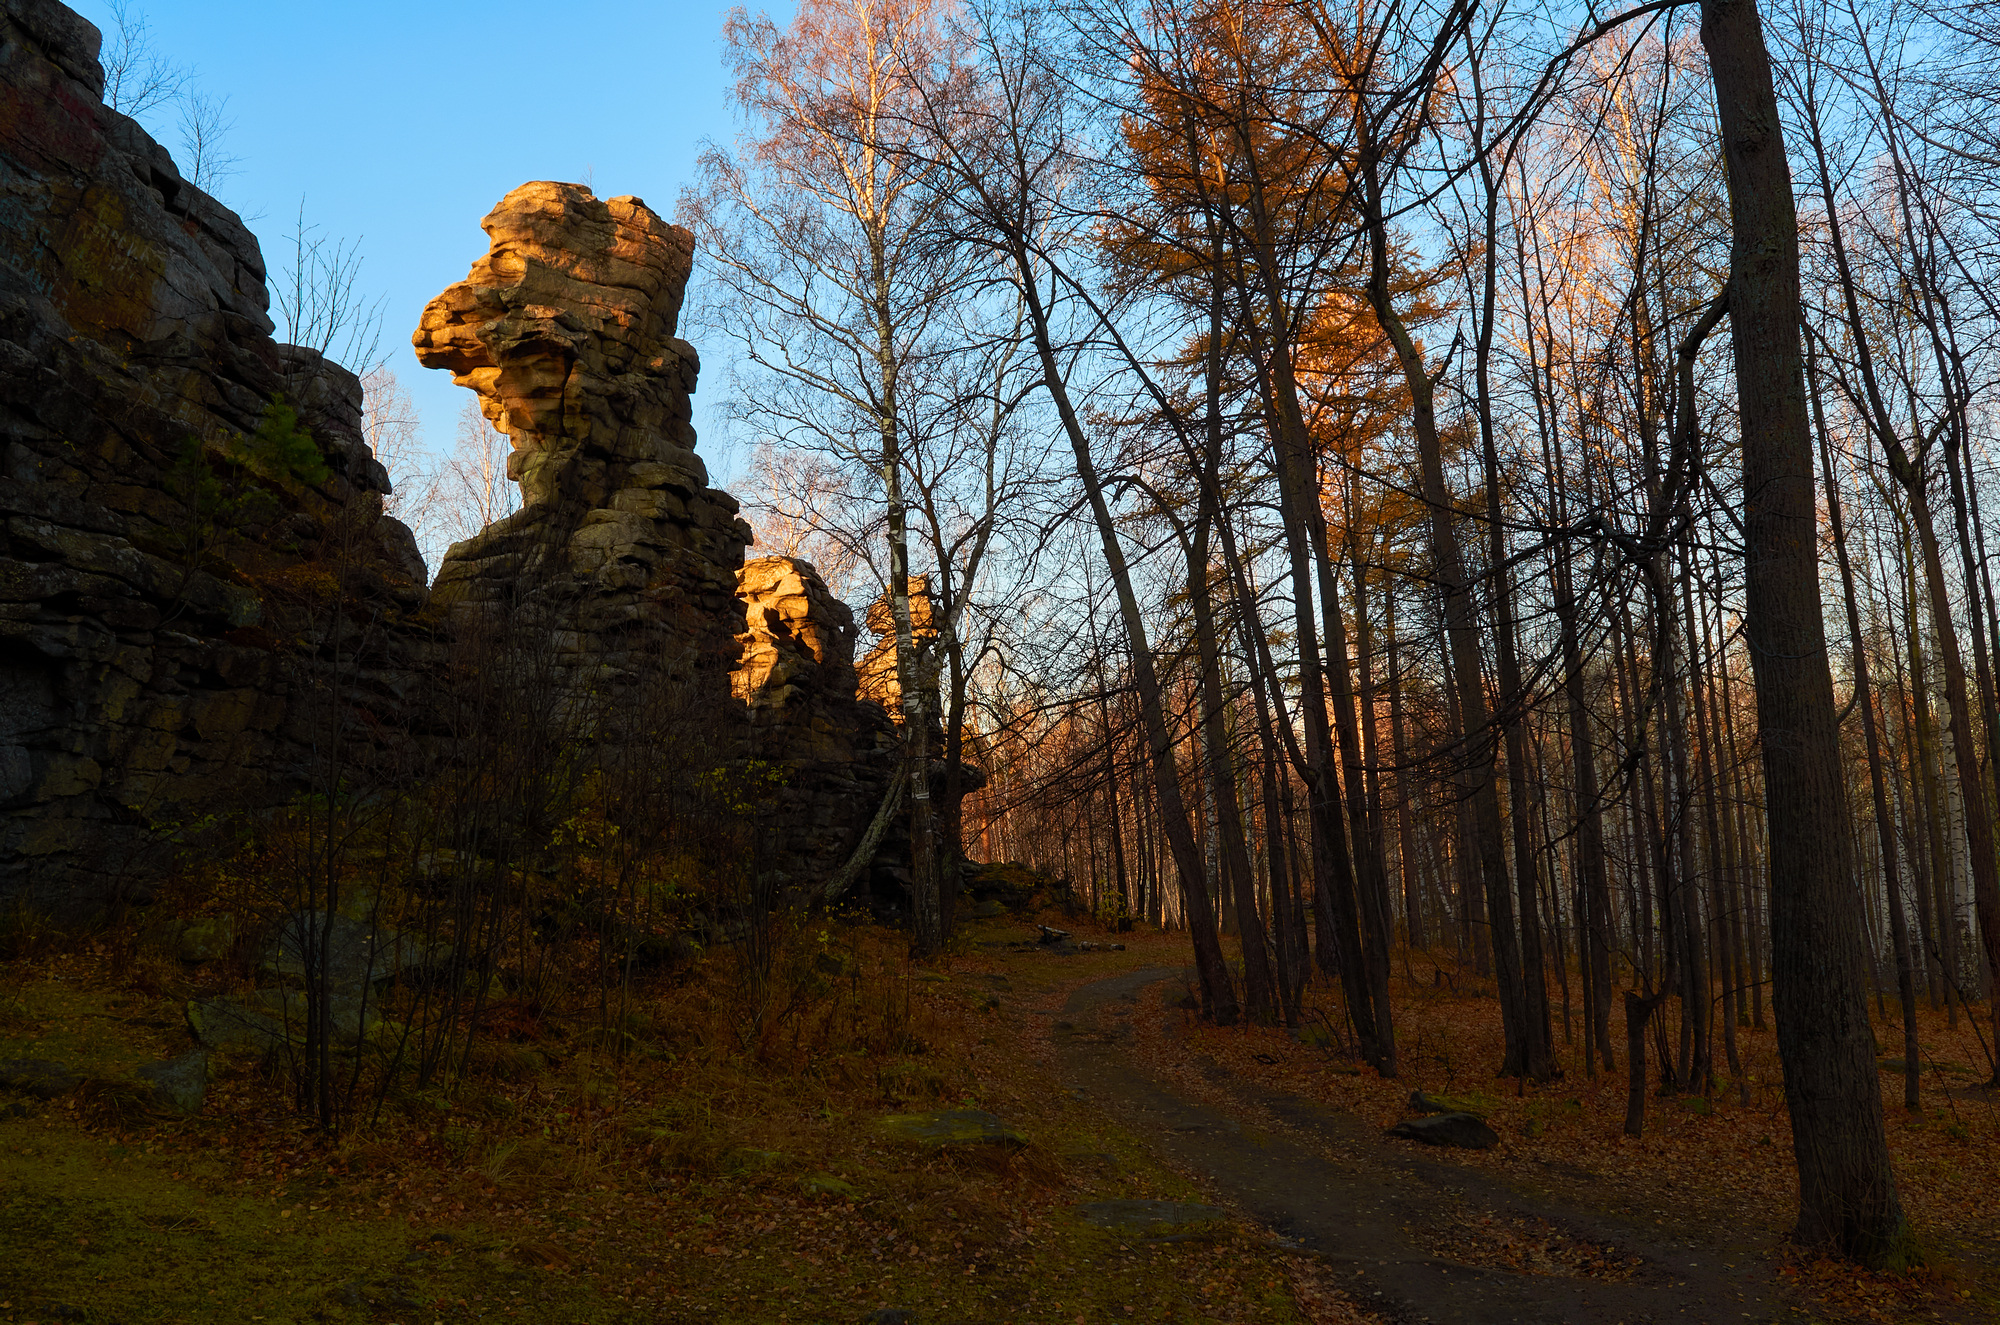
[
  {"x": 796, "y": 677},
  {"x": 876, "y": 674},
  {"x": 168, "y": 653},
  {"x": 798, "y": 640},
  {"x": 565, "y": 330}
]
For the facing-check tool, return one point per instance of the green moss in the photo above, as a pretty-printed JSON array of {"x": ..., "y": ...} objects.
[{"x": 126, "y": 1235}]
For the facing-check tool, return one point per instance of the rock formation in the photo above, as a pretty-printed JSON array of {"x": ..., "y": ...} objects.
[
  {"x": 795, "y": 658},
  {"x": 202, "y": 601},
  {"x": 171, "y": 559},
  {"x": 797, "y": 678},
  {"x": 565, "y": 331},
  {"x": 876, "y": 675}
]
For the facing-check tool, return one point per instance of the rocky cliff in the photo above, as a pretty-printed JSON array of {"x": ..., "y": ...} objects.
[
  {"x": 177, "y": 563},
  {"x": 796, "y": 676}
]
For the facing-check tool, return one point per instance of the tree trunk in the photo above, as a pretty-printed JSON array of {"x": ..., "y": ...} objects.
[
  {"x": 1218, "y": 992},
  {"x": 1462, "y": 633},
  {"x": 1847, "y": 1191}
]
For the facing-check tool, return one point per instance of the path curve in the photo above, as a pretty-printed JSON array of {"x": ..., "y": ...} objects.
[{"x": 1336, "y": 1186}]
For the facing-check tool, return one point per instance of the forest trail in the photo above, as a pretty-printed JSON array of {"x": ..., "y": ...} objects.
[{"x": 1332, "y": 1184}]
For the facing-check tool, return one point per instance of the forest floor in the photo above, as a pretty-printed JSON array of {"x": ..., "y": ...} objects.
[
  {"x": 724, "y": 1159},
  {"x": 1566, "y": 1219}
]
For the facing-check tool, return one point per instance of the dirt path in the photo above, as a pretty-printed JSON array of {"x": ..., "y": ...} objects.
[{"x": 1380, "y": 1214}]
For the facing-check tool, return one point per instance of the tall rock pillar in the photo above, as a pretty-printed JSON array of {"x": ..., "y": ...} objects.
[{"x": 621, "y": 552}]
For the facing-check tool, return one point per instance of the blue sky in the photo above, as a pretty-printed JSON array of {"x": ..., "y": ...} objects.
[{"x": 401, "y": 124}]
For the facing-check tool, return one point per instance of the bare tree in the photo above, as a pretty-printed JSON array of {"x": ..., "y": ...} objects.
[
  {"x": 137, "y": 77},
  {"x": 321, "y": 305},
  {"x": 390, "y": 423},
  {"x": 1847, "y": 1191},
  {"x": 204, "y": 124},
  {"x": 803, "y": 503},
  {"x": 822, "y": 267},
  {"x": 470, "y": 489}
]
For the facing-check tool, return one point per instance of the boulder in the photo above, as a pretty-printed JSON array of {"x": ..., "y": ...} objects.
[
  {"x": 942, "y": 1129},
  {"x": 353, "y": 952},
  {"x": 1476, "y": 1105},
  {"x": 1008, "y": 882},
  {"x": 274, "y": 1017},
  {"x": 222, "y": 1023},
  {"x": 206, "y": 939},
  {"x": 1463, "y": 1130},
  {"x": 1151, "y": 1218},
  {"x": 179, "y": 1084}
]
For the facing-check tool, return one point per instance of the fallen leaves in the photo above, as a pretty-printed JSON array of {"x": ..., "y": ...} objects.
[{"x": 1528, "y": 1246}]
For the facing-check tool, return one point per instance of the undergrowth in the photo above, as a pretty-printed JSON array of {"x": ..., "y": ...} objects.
[{"x": 709, "y": 1154}]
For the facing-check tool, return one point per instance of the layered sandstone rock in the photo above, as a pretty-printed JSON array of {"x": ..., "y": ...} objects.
[
  {"x": 796, "y": 653},
  {"x": 796, "y": 676},
  {"x": 565, "y": 331},
  {"x": 171, "y": 586},
  {"x": 876, "y": 674}
]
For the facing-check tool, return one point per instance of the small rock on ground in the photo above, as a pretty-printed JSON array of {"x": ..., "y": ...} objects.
[
  {"x": 179, "y": 1084},
  {"x": 1463, "y": 1130},
  {"x": 825, "y": 1184},
  {"x": 1150, "y": 1217}
]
